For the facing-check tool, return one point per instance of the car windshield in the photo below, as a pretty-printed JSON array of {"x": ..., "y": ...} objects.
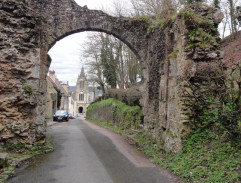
[{"x": 60, "y": 112}]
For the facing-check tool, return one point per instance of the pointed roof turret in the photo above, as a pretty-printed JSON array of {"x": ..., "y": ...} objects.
[{"x": 82, "y": 74}]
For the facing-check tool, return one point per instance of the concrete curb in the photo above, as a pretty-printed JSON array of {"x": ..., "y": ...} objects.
[{"x": 51, "y": 123}]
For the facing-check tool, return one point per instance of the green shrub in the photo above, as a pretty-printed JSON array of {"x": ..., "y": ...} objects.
[
  {"x": 151, "y": 29},
  {"x": 122, "y": 114},
  {"x": 208, "y": 155}
]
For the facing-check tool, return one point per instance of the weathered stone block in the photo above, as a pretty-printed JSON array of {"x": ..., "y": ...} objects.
[{"x": 3, "y": 160}]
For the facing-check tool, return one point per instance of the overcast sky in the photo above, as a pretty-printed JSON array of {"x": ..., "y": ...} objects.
[{"x": 65, "y": 53}]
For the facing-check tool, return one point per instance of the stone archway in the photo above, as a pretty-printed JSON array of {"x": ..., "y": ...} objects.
[
  {"x": 81, "y": 110},
  {"x": 32, "y": 27}
]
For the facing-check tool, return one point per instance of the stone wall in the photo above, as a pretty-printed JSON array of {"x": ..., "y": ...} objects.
[
  {"x": 29, "y": 28},
  {"x": 21, "y": 92},
  {"x": 117, "y": 113},
  {"x": 172, "y": 71},
  {"x": 51, "y": 100}
]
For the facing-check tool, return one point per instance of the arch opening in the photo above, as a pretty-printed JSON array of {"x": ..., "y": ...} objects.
[
  {"x": 81, "y": 110},
  {"x": 66, "y": 68},
  {"x": 66, "y": 55},
  {"x": 60, "y": 38}
]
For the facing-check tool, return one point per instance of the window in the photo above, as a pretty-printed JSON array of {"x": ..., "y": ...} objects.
[{"x": 81, "y": 97}]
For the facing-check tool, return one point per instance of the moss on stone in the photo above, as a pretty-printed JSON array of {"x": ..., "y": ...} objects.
[
  {"x": 27, "y": 88},
  {"x": 202, "y": 32},
  {"x": 150, "y": 29},
  {"x": 144, "y": 18},
  {"x": 173, "y": 54},
  {"x": 170, "y": 134}
]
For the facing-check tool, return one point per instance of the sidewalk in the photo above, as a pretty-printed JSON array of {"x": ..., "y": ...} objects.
[{"x": 50, "y": 122}]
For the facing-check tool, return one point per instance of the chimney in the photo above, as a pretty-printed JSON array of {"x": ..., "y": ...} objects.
[{"x": 52, "y": 75}]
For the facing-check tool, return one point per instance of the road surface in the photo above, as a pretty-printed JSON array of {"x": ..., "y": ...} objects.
[{"x": 87, "y": 153}]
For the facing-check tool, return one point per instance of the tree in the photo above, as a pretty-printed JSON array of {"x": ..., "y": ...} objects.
[
  {"x": 191, "y": 1},
  {"x": 91, "y": 55},
  {"x": 232, "y": 16},
  {"x": 107, "y": 60},
  {"x": 146, "y": 7},
  {"x": 110, "y": 61},
  {"x": 225, "y": 20},
  {"x": 59, "y": 96},
  {"x": 230, "y": 11},
  {"x": 216, "y": 4},
  {"x": 152, "y": 7}
]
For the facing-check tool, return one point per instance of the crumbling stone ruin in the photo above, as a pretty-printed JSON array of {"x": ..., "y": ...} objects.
[{"x": 170, "y": 58}]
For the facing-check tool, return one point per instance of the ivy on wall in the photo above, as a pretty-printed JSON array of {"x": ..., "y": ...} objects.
[{"x": 122, "y": 115}]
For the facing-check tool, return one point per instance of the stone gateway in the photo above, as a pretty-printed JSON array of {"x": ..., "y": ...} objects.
[{"x": 29, "y": 28}]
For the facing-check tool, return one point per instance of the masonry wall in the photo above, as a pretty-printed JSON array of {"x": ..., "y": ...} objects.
[
  {"x": 172, "y": 71},
  {"x": 51, "y": 100},
  {"x": 31, "y": 27},
  {"x": 21, "y": 92}
]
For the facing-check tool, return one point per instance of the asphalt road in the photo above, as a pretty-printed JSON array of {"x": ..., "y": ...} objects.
[{"x": 86, "y": 153}]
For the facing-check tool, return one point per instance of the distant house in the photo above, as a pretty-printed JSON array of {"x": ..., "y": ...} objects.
[
  {"x": 72, "y": 103},
  {"x": 63, "y": 89},
  {"x": 51, "y": 99}
]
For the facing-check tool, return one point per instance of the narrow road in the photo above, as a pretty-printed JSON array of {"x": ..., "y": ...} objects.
[{"x": 87, "y": 153}]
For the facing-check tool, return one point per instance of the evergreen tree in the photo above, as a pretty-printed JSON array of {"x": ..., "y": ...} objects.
[{"x": 108, "y": 61}]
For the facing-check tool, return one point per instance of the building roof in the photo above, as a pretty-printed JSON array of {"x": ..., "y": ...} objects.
[
  {"x": 58, "y": 84},
  {"x": 50, "y": 85},
  {"x": 72, "y": 88},
  {"x": 90, "y": 89},
  {"x": 82, "y": 74}
]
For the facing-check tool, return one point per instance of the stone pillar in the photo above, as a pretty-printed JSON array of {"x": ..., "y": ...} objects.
[
  {"x": 22, "y": 80},
  {"x": 172, "y": 64}
]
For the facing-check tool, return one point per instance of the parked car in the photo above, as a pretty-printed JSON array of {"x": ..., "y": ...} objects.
[
  {"x": 71, "y": 116},
  {"x": 61, "y": 115}
]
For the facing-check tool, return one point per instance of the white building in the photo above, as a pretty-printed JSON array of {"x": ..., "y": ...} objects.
[
  {"x": 82, "y": 95},
  {"x": 72, "y": 104}
]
